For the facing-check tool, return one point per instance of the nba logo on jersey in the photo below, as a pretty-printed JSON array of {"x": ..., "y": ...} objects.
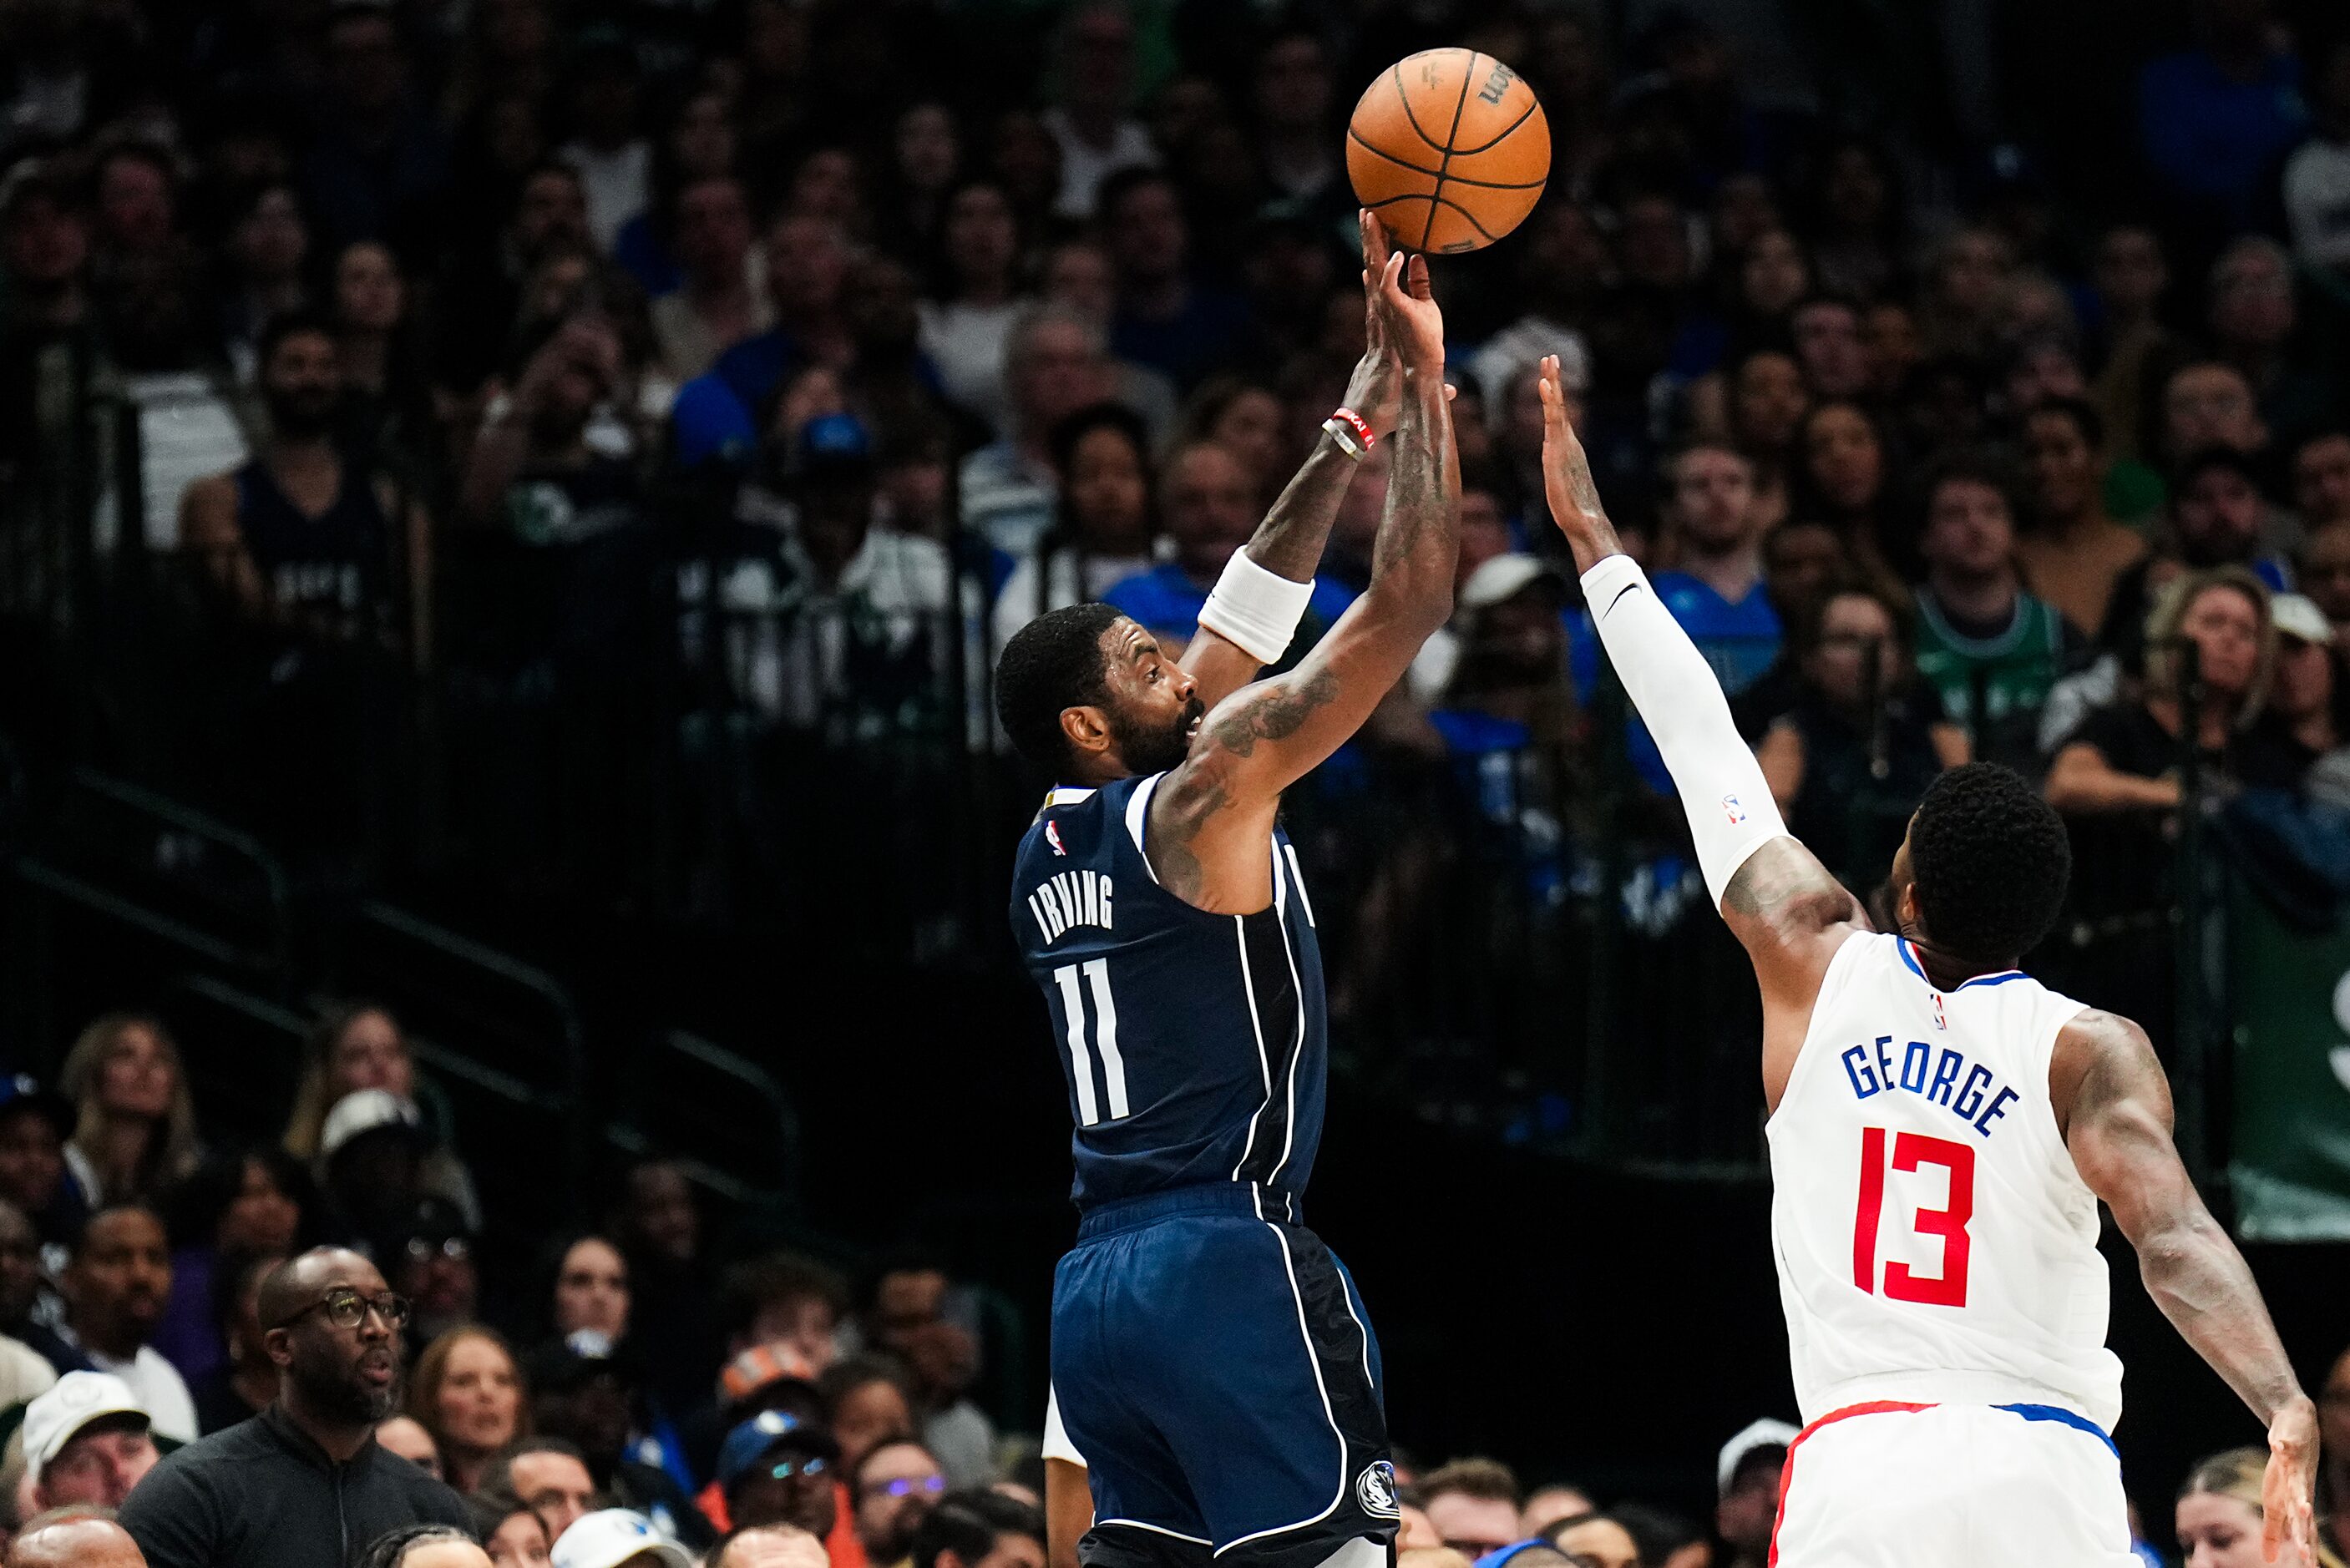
[
  {"x": 1053, "y": 837},
  {"x": 1735, "y": 809},
  {"x": 1941, "y": 1020}
]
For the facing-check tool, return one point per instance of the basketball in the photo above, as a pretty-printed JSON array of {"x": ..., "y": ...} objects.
[{"x": 1449, "y": 148}]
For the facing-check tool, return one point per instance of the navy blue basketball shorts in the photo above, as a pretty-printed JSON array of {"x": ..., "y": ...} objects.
[{"x": 1217, "y": 1371}]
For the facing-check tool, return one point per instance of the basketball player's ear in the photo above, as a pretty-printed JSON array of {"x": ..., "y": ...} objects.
[{"x": 1088, "y": 728}]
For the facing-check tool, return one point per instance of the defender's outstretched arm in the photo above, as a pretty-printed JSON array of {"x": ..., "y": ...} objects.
[
  {"x": 1786, "y": 908},
  {"x": 1254, "y": 611},
  {"x": 2113, "y": 1105},
  {"x": 1210, "y": 817}
]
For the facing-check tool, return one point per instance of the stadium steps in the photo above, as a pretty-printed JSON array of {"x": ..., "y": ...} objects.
[{"x": 119, "y": 897}]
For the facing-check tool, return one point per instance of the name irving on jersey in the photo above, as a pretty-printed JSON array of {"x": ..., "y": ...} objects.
[
  {"x": 1072, "y": 898},
  {"x": 1969, "y": 1088}
]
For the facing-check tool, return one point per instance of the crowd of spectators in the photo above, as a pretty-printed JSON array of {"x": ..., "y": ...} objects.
[
  {"x": 865, "y": 365},
  {"x": 241, "y": 1357},
  {"x": 869, "y": 331}
]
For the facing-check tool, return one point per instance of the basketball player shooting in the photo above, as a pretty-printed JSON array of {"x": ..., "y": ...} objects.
[
  {"x": 1212, "y": 1360},
  {"x": 1942, "y": 1131}
]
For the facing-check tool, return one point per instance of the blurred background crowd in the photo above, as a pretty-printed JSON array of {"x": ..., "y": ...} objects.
[{"x": 509, "y": 506}]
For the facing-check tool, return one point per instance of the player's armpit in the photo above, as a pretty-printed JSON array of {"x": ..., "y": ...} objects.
[{"x": 2113, "y": 1105}]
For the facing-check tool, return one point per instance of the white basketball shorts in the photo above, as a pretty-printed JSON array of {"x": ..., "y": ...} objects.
[{"x": 1952, "y": 1486}]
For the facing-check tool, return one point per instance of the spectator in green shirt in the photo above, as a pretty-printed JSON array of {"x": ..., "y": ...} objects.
[{"x": 1990, "y": 649}]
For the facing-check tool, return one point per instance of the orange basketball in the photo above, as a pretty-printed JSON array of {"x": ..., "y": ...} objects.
[{"x": 1451, "y": 149}]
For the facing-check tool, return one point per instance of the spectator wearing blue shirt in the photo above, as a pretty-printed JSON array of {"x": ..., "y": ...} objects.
[
  {"x": 807, "y": 262},
  {"x": 1165, "y": 318},
  {"x": 1715, "y": 586},
  {"x": 1210, "y": 508},
  {"x": 1713, "y": 536},
  {"x": 2218, "y": 119}
]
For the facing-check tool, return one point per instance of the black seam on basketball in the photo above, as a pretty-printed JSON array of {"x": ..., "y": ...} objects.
[
  {"x": 1391, "y": 201},
  {"x": 1383, "y": 152},
  {"x": 1473, "y": 152},
  {"x": 1468, "y": 74},
  {"x": 1436, "y": 201},
  {"x": 1496, "y": 184},
  {"x": 1404, "y": 97}
]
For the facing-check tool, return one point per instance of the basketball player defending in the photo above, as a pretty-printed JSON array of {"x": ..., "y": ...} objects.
[
  {"x": 1942, "y": 1131},
  {"x": 1213, "y": 1362}
]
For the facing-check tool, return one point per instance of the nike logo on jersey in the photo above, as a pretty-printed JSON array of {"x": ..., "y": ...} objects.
[
  {"x": 1944, "y": 1077},
  {"x": 1073, "y": 898}
]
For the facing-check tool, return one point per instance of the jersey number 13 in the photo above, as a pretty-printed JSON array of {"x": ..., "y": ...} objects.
[
  {"x": 1948, "y": 1223},
  {"x": 1096, "y": 975}
]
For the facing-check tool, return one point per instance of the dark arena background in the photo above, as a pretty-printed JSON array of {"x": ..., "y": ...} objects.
[{"x": 508, "y": 509}]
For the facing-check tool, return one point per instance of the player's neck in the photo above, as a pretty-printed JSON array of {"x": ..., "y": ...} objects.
[{"x": 1946, "y": 972}]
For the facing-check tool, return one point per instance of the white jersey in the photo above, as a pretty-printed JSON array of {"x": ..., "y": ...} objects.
[{"x": 1935, "y": 1242}]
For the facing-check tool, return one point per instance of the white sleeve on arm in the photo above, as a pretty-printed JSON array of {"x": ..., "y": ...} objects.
[{"x": 1730, "y": 812}]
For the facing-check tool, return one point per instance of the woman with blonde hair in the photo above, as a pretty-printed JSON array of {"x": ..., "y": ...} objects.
[
  {"x": 467, "y": 1392},
  {"x": 135, "y": 1122},
  {"x": 2118, "y": 777},
  {"x": 2223, "y": 614},
  {"x": 2220, "y": 1517}
]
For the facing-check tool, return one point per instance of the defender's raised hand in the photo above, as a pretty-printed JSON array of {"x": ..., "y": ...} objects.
[{"x": 1566, "y": 477}]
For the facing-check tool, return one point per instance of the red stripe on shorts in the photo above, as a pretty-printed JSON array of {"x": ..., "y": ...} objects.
[{"x": 1787, "y": 1470}]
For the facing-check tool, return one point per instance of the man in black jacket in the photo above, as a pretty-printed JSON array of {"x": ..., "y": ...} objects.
[{"x": 302, "y": 1484}]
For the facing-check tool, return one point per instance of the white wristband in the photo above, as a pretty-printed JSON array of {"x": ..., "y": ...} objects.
[{"x": 1255, "y": 610}]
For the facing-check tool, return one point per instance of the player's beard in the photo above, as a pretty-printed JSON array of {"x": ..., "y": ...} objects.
[{"x": 1156, "y": 750}]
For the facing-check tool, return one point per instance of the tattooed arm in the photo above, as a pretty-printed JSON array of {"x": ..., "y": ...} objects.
[
  {"x": 1782, "y": 904},
  {"x": 1211, "y": 818},
  {"x": 2114, "y": 1105},
  {"x": 1290, "y": 540}
]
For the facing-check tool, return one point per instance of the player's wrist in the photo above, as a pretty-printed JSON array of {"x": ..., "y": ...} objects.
[{"x": 1351, "y": 432}]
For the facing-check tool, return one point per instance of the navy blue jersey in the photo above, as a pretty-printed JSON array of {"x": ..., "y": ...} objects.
[{"x": 1195, "y": 1045}]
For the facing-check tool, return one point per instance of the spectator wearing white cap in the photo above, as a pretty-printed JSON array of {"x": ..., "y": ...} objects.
[
  {"x": 616, "y": 1538},
  {"x": 371, "y": 1151},
  {"x": 1512, "y": 576},
  {"x": 2304, "y": 717},
  {"x": 1746, "y": 1482},
  {"x": 87, "y": 1440}
]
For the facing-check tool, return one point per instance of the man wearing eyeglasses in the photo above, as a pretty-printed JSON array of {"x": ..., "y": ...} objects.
[
  {"x": 303, "y": 1483},
  {"x": 895, "y": 1488}
]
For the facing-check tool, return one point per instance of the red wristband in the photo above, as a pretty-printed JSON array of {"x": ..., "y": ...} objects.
[{"x": 1360, "y": 425}]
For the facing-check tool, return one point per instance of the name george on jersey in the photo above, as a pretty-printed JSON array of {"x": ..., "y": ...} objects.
[
  {"x": 1061, "y": 904},
  {"x": 1942, "y": 1077}
]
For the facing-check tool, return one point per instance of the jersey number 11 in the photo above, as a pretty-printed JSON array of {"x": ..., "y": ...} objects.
[
  {"x": 1948, "y": 1223},
  {"x": 1105, "y": 1040}
]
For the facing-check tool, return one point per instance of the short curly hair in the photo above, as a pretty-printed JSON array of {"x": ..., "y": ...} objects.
[
  {"x": 1047, "y": 667},
  {"x": 1990, "y": 861}
]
